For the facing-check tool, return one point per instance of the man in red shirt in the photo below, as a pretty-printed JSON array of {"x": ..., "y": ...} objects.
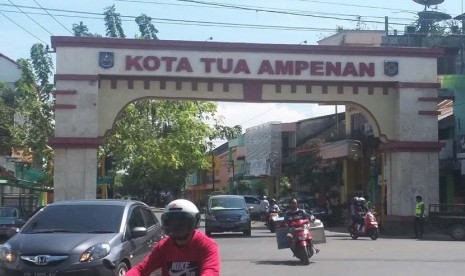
[{"x": 186, "y": 251}]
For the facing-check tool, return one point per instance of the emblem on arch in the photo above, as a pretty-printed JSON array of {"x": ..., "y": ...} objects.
[
  {"x": 106, "y": 60},
  {"x": 391, "y": 68}
]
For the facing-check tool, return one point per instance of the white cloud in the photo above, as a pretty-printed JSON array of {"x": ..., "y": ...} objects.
[{"x": 252, "y": 114}]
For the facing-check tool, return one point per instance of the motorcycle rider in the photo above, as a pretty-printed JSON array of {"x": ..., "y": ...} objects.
[
  {"x": 264, "y": 205},
  {"x": 186, "y": 251},
  {"x": 356, "y": 211},
  {"x": 274, "y": 208},
  {"x": 296, "y": 213}
]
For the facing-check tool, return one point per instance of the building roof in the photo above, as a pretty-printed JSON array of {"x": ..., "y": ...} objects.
[{"x": 7, "y": 58}]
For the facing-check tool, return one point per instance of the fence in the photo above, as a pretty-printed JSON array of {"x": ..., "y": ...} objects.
[{"x": 26, "y": 202}]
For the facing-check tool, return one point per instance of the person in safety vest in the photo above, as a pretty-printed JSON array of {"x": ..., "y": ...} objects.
[{"x": 419, "y": 218}]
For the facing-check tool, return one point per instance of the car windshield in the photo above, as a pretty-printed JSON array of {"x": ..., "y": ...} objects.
[
  {"x": 8, "y": 212},
  {"x": 76, "y": 219},
  {"x": 227, "y": 203}
]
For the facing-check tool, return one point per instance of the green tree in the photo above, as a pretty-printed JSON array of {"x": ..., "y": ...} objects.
[
  {"x": 159, "y": 142},
  {"x": 113, "y": 23},
  {"x": 34, "y": 105},
  {"x": 81, "y": 30},
  {"x": 228, "y": 133},
  {"x": 7, "y": 110},
  {"x": 146, "y": 28}
]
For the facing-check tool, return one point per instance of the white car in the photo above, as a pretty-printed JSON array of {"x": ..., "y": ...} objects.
[{"x": 253, "y": 201}]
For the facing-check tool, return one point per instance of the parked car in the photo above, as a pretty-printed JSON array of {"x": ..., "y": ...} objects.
[
  {"x": 309, "y": 205},
  {"x": 254, "y": 202},
  {"x": 11, "y": 217},
  {"x": 78, "y": 237},
  {"x": 227, "y": 213}
]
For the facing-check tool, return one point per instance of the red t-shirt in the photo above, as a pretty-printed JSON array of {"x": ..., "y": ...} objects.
[{"x": 199, "y": 257}]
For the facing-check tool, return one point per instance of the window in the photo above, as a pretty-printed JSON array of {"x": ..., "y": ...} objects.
[
  {"x": 136, "y": 219},
  {"x": 251, "y": 200},
  {"x": 77, "y": 218},
  {"x": 150, "y": 219}
]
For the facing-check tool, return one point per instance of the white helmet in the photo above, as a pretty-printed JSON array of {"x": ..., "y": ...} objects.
[{"x": 180, "y": 219}]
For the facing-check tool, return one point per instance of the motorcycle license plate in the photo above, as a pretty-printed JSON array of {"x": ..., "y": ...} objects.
[{"x": 39, "y": 274}]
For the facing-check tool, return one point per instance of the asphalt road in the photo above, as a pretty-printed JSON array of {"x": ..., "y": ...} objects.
[{"x": 258, "y": 255}]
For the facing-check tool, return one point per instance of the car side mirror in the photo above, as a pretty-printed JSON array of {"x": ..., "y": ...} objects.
[
  {"x": 137, "y": 232},
  {"x": 12, "y": 231}
]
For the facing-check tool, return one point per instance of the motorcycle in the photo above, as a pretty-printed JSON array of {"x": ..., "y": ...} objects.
[
  {"x": 301, "y": 240},
  {"x": 369, "y": 229},
  {"x": 272, "y": 216}
]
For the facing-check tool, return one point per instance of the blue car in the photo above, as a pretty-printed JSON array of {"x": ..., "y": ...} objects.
[{"x": 227, "y": 213}]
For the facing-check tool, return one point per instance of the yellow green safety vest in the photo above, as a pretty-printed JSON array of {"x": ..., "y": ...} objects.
[{"x": 418, "y": 208}]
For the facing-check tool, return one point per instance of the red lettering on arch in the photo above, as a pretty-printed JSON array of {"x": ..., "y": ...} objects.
[
  {"x": 221, "y": 68},
  {"x": 332, "y": 68},
  {"x": 284, "y": 68},
  {"x": 133, "y": 62},
  {"x": 169, "y": 63},
  {"x": 300, "y": 66},
  {"x": 316, "y": 68},
  {"x": 242, "y": 67},
  {"x": 151, "y": 63},
  {"x": 350, "y": 69},
  {"x": 368, "y": 69},
  {"x": 184, "y": 65},
  {"x": 266, "y": 67},
  {"x": 208, "y": 64}
]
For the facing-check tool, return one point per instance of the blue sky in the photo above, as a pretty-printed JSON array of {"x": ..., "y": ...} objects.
[{"x": 258, "y": 21}]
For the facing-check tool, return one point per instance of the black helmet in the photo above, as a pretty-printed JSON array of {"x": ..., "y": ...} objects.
[{"x": 180, "y": 219}]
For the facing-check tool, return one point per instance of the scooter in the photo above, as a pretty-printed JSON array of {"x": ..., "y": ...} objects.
[
  {"x": 301, "y": 240},
  {"x": 272, "y": 216},
  {"x": 369, "y": 229}
]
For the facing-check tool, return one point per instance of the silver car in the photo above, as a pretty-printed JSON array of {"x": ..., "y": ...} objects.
[{"x": 79, "y": 237}]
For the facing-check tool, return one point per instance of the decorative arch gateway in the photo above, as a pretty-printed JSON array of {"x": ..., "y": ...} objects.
[{"x": 395, "y": 88}]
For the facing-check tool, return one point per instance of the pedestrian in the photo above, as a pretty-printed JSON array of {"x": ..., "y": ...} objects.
[
  {"x": 186, "y": 251},
  {"x": 419, "y": 217}
]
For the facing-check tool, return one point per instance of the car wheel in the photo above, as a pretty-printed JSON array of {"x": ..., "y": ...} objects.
[
  {"x": 248, "y": 232},
  {"x": 208, "y": 233},
  {"x": 457, "y": 232},
  {"x": 121, "y": 269}
]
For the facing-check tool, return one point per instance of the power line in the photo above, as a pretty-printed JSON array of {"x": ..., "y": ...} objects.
[
  {"x": 255, "y": 8},
  {"x": 23, "y": 28},
  {"x": 31, "y": 18},
  {"x": 280, "y": 12},
  {"x": 355, "y": 5},
  {"x": 54, "y": 18},
  {"x": 250, "y": 9},
  {"x": 209, "y": 23}
]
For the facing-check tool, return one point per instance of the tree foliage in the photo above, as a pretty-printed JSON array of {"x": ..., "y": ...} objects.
[
  {"x": 33, "y": 112},
  {"x": 113, "y": 23},
  {"x": 146, "y": 28},
  {"x": 159, "y": 142},
  {"x": 81, "y": 30}
]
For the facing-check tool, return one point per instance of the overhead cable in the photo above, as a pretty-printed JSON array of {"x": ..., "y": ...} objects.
[
  {"x": 30, "y": 18},
  {"x": 53, "y": 18},
  {"x": 14, "y": 22}
]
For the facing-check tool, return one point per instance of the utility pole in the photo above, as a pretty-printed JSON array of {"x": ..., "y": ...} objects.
[{"x": 213, "y": 171}]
